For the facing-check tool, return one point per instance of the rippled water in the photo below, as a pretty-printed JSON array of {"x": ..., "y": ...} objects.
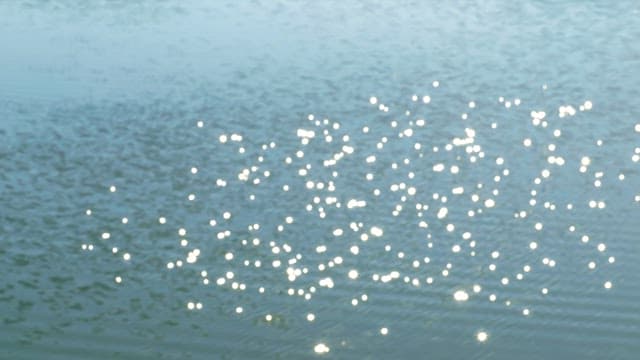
[{"x": 169, "y": 189}]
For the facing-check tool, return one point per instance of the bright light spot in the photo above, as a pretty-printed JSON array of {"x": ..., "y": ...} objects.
[
  {"x": 482, "y": 336},
  {"x": 353, "y": 203},
  {"x": 376, "y": 231},
  {"x": 321, "y": 349},
  {"x": 353, "y": 274},
  {"x": 460, "y": 295}
]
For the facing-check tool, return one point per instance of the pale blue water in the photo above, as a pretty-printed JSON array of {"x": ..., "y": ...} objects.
[{"x": 109, "y": 93}]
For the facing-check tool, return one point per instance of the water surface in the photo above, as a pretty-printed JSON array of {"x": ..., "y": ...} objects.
[{"x": 110, "y": 94}]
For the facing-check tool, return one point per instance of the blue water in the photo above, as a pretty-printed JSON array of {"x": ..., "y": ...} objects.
[{"x": 110, "y": 94}]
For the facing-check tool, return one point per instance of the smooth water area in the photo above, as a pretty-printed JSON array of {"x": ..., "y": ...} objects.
[{"x": 132, "y": 225}]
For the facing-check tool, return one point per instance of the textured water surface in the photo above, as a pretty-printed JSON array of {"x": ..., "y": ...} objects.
[{"x": 332, "y": 180}]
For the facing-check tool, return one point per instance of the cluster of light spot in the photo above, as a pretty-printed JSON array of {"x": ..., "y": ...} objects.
[{"x": 317, "y": 264}]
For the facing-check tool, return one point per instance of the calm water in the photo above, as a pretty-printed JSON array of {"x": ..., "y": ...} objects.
[{"x": 110, "y": 94}]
